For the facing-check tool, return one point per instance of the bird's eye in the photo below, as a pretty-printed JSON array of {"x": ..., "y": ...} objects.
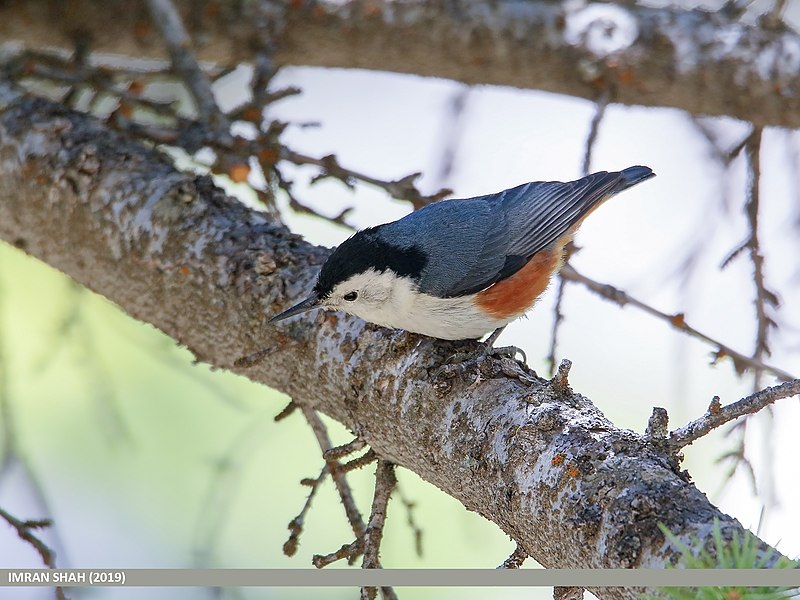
[{"x": 351, "y": 296}]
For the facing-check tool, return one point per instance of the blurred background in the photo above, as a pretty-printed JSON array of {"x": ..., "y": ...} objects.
[{"x": 143, "y": 459}]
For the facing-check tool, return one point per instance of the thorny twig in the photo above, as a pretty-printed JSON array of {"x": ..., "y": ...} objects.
[
  {"x": 719, "y": 415},
  {"x": 741, "y": 361}
]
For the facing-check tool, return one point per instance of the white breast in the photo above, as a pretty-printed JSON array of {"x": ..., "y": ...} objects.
[{"x": 402, "y": 306}]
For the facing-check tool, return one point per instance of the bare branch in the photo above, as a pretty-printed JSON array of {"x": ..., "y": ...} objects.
[
  {"x": 542, "y": 45},
  {"x": 594, "y": 129},
  {"x": 719, "y": 415},
  {"x": 362, "y": 461},
  {"x": 410, "y": 505},
  {"x": 349, "y": 551},
  {"x": 286, "y": 411},
  {"x": 558, "y": 318},
  {"x": 741, "y": 361},
  {"x": 25, "y": 531},
  {"x": 385, "y": 482},
  {"x": 344, "y": 450},
  {"x": 402, "y": 189},
  {"x": 338, "y": 475},
  {"x": 296, "y": 524},
  {"x": 169, "y": 23},
  {"x": 764, "y": 297}
]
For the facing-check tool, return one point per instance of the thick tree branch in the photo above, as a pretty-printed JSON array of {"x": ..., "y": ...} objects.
[
  {"x": 701, "y": 62},
  {"x": 170, "y": 248}
]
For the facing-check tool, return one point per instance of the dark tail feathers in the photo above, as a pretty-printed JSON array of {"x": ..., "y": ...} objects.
[{"x": 633, "y": 175}]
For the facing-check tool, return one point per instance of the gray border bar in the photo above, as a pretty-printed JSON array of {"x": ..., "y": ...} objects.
[{"x": 401, "y": 577}]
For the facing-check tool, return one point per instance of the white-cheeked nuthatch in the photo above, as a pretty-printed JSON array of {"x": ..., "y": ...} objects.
[{"x": 458, "y": 269}]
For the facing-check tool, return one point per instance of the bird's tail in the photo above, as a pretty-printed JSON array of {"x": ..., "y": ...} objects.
[{"x": 631, "y": 176}]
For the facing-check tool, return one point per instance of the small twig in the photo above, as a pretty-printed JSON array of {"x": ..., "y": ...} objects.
[
  {"x": 719, "y": 415},
  {"x": 515, "y": 560},
  {"x": 410, "y": 505},
  {"x": 402, "y": 189},
  {"x": 296, "y": 524},
  {"x": 339, "y": 476},
  {"x": 560, "y": 381},
  {"x": 764, "y": 296},
  {"x": 24, "y": 528},
  {"x": 453, "y": 132},
  {"x": 385, "y": 481},
  {"x": 286, "y": 411},
  {"x": 362, "y": 461},
  {"x": 24, "y": 531},
  {"x": 658, "y": 425},
  {"x": 558, "y": 315},
  {"x": 741, "y": 361},
  {"x": 594, "y": 128},
  {"x": 347, "y": 449},
  {"x": 349, "y": 551},
  {"x": 166, "y": 19},
  {"x": 737, "y": 456},
  {"x": 558, "y": 318}
]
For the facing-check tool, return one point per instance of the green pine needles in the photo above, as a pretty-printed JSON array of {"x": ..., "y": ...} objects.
[{"x": 734, "y": 554}]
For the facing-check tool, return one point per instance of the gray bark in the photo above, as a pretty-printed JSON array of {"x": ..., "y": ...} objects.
[
  {"x": 701, "y": 62},
  {"x": 537, "y": 459}
]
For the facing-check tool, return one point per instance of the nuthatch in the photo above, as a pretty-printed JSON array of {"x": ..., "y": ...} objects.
[{"x": 458, "y": 269}]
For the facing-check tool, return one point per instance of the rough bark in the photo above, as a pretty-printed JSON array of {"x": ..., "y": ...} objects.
[
  {"x": 701, "y": 62},
  {"x": 540, "y": 461}
]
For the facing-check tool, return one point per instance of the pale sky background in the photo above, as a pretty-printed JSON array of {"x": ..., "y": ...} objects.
[{"x": 129, "y": 485}]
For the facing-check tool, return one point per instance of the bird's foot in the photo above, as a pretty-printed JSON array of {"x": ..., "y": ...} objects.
[{"x": 462, "y": 362}]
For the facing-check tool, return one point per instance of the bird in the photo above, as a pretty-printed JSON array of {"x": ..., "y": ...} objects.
[{"x": 458, "y": 269}]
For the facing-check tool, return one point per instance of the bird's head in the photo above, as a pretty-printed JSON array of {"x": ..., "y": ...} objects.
[{"x": 364, "y": 276}]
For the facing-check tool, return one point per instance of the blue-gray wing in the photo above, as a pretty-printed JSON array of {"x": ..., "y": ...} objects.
[
  {"x": 463, "y": 240},
  {"x": 477, "y": 242}
]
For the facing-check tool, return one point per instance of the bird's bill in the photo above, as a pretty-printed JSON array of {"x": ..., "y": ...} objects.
[{"x": 309, "y": 303}]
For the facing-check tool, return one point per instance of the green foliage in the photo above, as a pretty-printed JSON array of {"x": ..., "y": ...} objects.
[{"x": 745, "y": 553}]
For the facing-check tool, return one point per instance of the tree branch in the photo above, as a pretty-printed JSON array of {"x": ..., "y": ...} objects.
[
  {"x": 741, "y": 362},
  {"x": 706, "y": 63},
  {"x": 170, "y": 248},
  {"x": 717, "y": 415}
]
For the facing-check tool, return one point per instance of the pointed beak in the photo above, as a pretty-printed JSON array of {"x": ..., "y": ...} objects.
[{"x": 308, "y": 304}]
